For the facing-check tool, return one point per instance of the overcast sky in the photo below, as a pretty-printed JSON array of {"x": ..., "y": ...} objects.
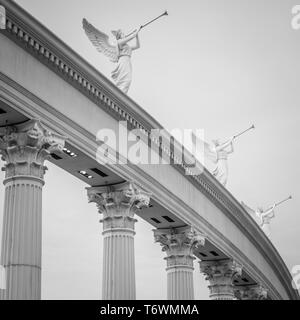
[{"x": 211, "y": 64}]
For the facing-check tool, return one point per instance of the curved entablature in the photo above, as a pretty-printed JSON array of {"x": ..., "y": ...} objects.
[{"x": 44, "y": 46}]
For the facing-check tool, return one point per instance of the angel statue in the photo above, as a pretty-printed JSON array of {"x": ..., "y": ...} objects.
[
  {"x": 218, "y": 153},
  {"x": 222, "y": 151},
  {"x": 118, "y": 52},
  {"x": 262, "y": 217}
]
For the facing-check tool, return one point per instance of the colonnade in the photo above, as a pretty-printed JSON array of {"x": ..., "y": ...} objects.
[{"x": 24, "y": 149}]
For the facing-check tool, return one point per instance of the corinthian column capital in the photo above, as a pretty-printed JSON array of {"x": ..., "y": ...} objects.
[
  {"x": 220, "y": 268},
  {"x": 220, "y": 274},
  {"x": 250, "y": 292},
  {"x": 25, "y": 147},
  {"x": 179, "y": 243},
  {"x": 118, "y": 203}
]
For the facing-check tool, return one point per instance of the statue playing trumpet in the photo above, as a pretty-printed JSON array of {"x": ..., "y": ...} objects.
[
  {"x": 119, "y": 51},
  {"x": 263, "y": 217},
  {"x": 218, "y": 153}
]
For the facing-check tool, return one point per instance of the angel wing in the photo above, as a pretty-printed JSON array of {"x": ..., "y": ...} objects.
[{"x": 101, "y": 41}]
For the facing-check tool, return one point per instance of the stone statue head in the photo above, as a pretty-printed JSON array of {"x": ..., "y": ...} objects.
[
  {"x": 216, "y": 142},
  {"x": 118, "y": 34},
  {"x": 260, "y": 209}
]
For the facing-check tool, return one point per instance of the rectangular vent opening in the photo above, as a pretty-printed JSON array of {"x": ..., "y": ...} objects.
[
  {"x": 168, "y": 219},
  {"x": 155, "y": 220},
  {"x": 214, "y": 253},
  {"x": 99, "y": 172},
  {"x": 55, "y": 156},
  {"x": 2, "y": 111},
  {"x": 245, "y": 280},
  {"x": 203, "y": 254}
]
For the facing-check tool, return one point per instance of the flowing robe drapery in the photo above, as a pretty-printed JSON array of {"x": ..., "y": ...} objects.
[
  {"x": 221, "y": 169},
  {"x": 122, "y": 74}
]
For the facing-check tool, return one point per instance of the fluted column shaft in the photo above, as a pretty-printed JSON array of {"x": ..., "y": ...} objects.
[
  {"x": 118, "y": 280},
  {"x": 118, "y": 205},
  {"x": 180, "y": 283},
  {"x": 220, "y": 274},
  {"x": 179, "y": 244},
  {"x": 24, "y": 148},
  {"x": 22, "y": 237}
]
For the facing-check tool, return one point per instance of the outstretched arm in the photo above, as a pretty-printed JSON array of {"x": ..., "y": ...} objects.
[
  {"x": 137, "y": 44},
  {"x": 224, "y": 145},
  {"x": 127, "y": 39},
  {"x": 269, "y": 212}
]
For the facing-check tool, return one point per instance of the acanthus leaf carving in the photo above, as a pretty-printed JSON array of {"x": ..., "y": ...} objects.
[
  {"x": 26, "y": 146},
  {"x": 118, "y": 204},
  {"x": 179, "y": 244}
]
